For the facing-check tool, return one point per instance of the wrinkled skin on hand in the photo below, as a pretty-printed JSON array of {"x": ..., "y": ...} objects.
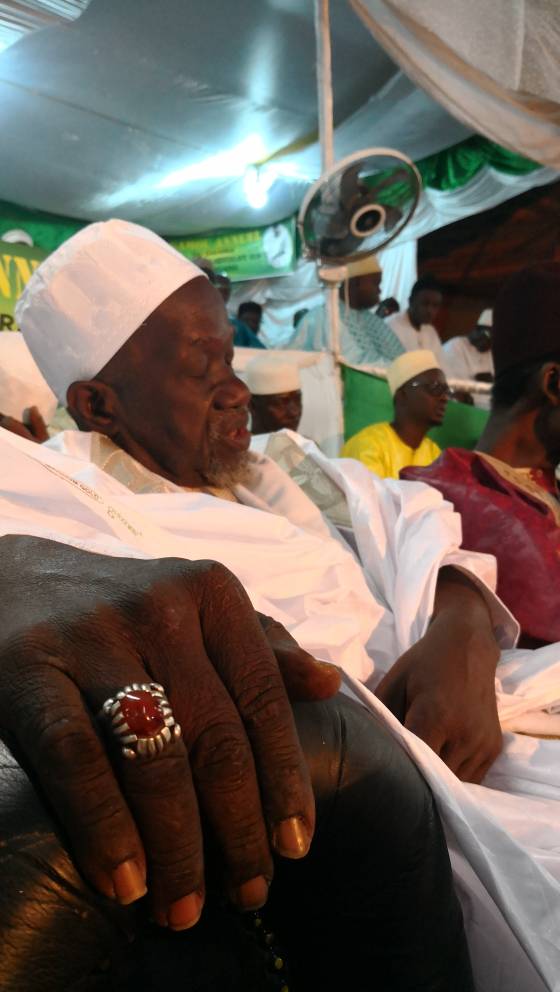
[
  {"x": 442, "y": 689},
  {"x": 75, "y": 628},
  {"x": 34, "y": 430}
]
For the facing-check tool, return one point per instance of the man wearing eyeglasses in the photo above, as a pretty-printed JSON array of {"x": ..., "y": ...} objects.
[{"x": 420, "y": 393}]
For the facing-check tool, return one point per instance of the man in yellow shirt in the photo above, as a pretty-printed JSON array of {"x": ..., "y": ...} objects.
[{"x": 420, "y": 393}]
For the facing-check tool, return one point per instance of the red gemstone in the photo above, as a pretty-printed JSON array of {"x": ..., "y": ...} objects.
[{"x": 143, "y": 713}]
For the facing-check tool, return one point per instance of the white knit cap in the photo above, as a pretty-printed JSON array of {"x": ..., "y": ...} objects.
[
  {"x": 90, "y": 296},
  {"x": 267, "y": 376},
  {"x": 17, "y": 237},
  {"x": 21, "y": 383},
  {"x": 409, "y": 365},
  {"x": 485, "y": 319}
]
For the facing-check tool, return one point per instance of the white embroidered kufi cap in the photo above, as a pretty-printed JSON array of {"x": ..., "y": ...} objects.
[
  {"x": 90, "y": 296},
  {"x": 21, "y": 383},
  {"x": 268, "y": 375},
  {"x": 408, "y": 366}
]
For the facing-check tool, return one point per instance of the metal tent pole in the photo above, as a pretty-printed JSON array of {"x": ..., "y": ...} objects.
[{"x": 325, "y": 101}]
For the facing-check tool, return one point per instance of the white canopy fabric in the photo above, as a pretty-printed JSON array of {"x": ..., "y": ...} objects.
[
  {"x": 494, "y": 66},
  {"x": 152, "y": 112}
]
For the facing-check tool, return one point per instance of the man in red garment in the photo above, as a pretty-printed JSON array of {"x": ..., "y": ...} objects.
[{"x": 506, "y": 490}]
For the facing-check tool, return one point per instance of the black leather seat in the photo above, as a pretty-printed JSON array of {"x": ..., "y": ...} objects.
[{"x": 371, "y": 907}]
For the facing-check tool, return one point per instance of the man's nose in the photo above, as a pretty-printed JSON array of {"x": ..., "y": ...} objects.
[{"x": 232, "y": 393}]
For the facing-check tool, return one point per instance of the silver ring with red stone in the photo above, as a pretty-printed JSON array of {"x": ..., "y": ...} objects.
[{"x": 141, "y": 720}]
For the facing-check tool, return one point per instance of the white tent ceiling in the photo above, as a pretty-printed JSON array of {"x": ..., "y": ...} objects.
[{"x": 97, "y": 114}]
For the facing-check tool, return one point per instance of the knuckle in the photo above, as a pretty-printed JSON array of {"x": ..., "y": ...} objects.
[
  {"x": 64, "y": 738},
  {"x": 224, "y": 590},
  {"x": 246, "y": 843},
  {"x": 178, "y": 857},
  {"x": 207, "y": 572},
  {"x": 100, "y": 810},
  {"x": 161, "y": 780},
  {"x": 221, "y": 755},
  {"x": 219, "y": 572},
  {"x": 263, "y": 701}
]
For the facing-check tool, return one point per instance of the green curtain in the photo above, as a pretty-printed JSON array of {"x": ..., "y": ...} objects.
[
  {"x": 456, "y": 166},
  {"x": 446, "y": 170}
]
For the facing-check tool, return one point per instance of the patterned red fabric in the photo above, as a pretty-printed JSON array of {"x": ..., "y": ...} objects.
[{"x": 502, "y": 520}]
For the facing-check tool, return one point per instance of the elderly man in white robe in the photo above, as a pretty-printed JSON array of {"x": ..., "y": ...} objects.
[{"x": 138, "y": 343}]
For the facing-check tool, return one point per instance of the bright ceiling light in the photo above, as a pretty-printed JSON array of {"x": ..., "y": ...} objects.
[
  {"x": 256, "y": 184},
  {"x": 223, "y": 165}
]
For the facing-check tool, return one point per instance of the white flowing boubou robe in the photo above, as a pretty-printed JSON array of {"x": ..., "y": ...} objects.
[{"x": 504, "y": 837}]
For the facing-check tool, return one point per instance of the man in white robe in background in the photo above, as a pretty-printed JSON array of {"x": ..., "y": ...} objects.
[
  {"x": 413, "y": 327},
  {"x": 469, "y": 357},
  {"x": 89, "y": 315},
  {"x": 365, "y": 338}
]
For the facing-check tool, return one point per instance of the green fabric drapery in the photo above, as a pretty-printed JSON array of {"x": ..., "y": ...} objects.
[
  {"x": 457, "y": 165},
  {"x": 446, "y": 170}
]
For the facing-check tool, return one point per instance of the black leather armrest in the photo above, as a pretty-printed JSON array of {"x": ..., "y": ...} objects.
[{"x": 373, "y": 899}]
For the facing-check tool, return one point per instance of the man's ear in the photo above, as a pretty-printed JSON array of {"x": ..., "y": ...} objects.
[
  {"x": 550, "y": 382},
  {"x": 94, "y": 406}
]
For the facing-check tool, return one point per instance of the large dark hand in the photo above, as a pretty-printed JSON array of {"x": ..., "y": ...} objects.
[
  {"x": 75, "y": 628},
  {"x": 443, "y": 690}
]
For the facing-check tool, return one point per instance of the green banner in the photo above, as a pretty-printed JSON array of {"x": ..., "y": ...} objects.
[
  {"x": 17, "y": 264},
  {"x": 254, "y": 254}
]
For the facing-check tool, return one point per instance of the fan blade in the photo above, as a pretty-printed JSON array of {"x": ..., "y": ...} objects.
[{"x": 350, "y": 187}]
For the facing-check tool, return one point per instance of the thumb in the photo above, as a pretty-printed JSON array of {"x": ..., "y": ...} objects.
[{"x": 306, "y": 679}]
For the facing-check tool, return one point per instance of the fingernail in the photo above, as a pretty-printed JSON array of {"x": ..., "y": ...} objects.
[
  {"x": 185, "y": 912},
  {"x": 291, "y": 838},
  {"x": 251, "y": 895},
  {"x": 129, "y": 882}
]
